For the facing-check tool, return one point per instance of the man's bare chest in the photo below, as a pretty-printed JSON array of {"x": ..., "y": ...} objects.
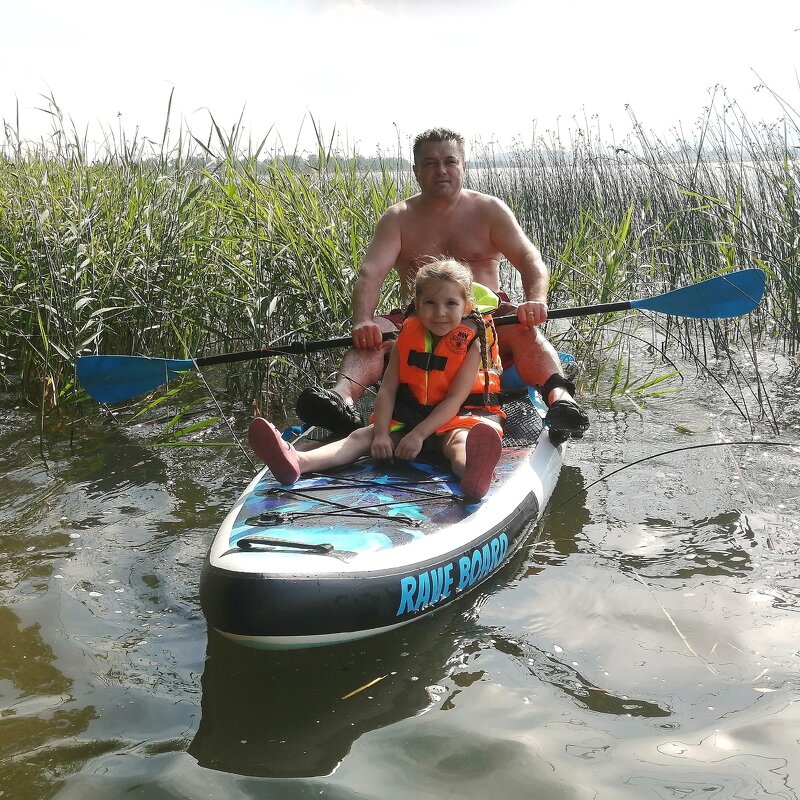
[{"x": 463, "y": 239}]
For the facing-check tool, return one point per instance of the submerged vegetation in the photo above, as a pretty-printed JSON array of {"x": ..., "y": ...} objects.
[{"x": 207, "y": 247}]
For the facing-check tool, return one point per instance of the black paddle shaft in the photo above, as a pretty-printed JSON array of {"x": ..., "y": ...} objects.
[
  {"x": 289, "y": 349},
  {"x": 301, "y": 348},
  {"x": 578, "y": 311}
]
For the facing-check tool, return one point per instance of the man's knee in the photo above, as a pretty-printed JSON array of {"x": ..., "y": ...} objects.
[
  {"x": 514, "y": 337},
  {"x": 385, "y": 324}
]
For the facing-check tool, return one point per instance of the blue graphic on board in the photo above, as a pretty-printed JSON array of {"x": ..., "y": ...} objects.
[
  {"x": 373, "y": 509},
  {"x": 361, "y": 508},
  {"x": 372, "y": 505}
]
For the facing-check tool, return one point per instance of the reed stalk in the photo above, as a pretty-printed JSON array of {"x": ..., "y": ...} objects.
[{"x": 212, "y": 245}]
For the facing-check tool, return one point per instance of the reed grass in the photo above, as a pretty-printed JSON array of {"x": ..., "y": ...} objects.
[{"x": 212, "y": 245}]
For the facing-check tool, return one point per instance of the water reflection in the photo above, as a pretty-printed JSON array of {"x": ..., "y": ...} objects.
[
  {"x": 35, "y": 727},
  {"x": 548, "y": 668},
  {"x": 288, "y": 714},
  {"x": 80, "y": 596},
  {"x": 111, "y": 463},
  {"x": 567, "y": 514},
  {"x": 716, "y": 545},
  {"x": 564, "y": 673},
  {"x": 293, "y": 713}
]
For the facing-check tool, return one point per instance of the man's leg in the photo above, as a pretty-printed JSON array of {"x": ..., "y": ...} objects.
[
  {"x": 360, "y": 368},
  {"x": 538, "y": 365},
  {"x": 334, "y": 409}
]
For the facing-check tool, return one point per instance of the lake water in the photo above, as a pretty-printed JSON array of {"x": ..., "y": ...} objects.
[{"x": 644, "y": 644}]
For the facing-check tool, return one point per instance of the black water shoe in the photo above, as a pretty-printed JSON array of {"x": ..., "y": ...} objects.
[
  {"x": 322, "y": 407},
  {"x": 567, "y": 418}
]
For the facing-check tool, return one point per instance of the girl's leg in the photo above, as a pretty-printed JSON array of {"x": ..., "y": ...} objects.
[
  {"x": 473, "y": 453},
  {"x": 338, "y": 453},
  {"x": 454, "y": 449},
  {"x": 287, "y": 463}
]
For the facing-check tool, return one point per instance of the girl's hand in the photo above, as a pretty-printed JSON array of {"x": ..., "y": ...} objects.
[
  {"x": 382, "y": 446},
  {"x": 409, "y": 446}
]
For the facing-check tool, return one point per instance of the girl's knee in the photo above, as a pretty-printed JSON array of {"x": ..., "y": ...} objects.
[
  {"x": 362, "y": 436},
  {"x": 453, "y": 440}
]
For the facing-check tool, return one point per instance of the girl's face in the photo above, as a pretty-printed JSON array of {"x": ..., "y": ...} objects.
[{"x": 441, "y": 306}]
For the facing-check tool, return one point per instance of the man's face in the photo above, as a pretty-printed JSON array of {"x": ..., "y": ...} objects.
[{"x": 439, "y": 169}]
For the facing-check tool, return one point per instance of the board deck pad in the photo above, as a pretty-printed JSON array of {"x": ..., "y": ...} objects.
[{"x": 376, "y": 505}]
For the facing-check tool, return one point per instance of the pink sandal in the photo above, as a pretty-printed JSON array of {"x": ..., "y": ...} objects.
[
  {"x": 278, "y": 455},
  {"x": 483, "y": 452}
]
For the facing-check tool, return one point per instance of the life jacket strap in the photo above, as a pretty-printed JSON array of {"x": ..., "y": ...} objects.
[
  {"x": 427, "y": 361},
  {"x": 478, "y": 399},
  {"x": 409, "y": 410}
]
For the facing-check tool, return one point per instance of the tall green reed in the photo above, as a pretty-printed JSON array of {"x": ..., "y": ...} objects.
[
  {"x": 200, "y": 248},
  {"x": 647, "y": 214},
  {"x": 213, "y": 245}
]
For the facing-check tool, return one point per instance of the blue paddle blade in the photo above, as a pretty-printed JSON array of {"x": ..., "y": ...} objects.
[
  {"x": 111, "y": 379},
  {"x": 730, "y": 295}
]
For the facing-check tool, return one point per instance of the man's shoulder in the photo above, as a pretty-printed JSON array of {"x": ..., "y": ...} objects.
[
  {"x": 402, "y": 207},
  {"x": 482, "y": 199}
]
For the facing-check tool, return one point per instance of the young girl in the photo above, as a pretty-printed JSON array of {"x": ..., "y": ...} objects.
[{"x": 442, "y": 380}]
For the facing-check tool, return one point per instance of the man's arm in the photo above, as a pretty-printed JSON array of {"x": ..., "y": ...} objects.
[
  {"x": 381, "y": 256},
  {"x": 509, "y": 238}
]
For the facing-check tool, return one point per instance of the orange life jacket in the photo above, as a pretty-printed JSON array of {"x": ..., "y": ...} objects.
[{"x": 426, "y": 373}]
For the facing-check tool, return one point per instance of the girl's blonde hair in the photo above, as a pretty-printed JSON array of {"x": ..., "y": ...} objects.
[
  {"x": 444, "y": 270},
  {"x": 448, "y": 270}
]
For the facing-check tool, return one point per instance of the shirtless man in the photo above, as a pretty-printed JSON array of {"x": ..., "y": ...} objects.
[{"x": 446, "y": 220}]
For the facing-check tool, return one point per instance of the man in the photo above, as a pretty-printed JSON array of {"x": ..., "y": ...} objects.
[{"x": 446, "y": 220}]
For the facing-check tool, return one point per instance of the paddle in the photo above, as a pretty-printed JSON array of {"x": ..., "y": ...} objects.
[
  {"x": 730, "y": 295},
  {"x": 111, "y": 379}
]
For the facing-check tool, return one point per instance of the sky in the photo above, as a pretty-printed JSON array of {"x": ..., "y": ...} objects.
[{"x": 372, "y": 73}]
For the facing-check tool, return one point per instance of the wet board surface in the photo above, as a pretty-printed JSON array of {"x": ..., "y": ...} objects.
[{"x": 367, "y": 506}]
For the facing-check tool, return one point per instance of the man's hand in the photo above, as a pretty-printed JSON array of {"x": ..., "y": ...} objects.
[
  {"x": 409, "y": 446},
  {"x": 367, "y": 336},
  {"x": 382, "y": 447},
  {"x": 530, "y": 314}
]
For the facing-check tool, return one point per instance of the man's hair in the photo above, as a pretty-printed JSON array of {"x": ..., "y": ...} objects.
[{"x": 439, "y": 135}]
